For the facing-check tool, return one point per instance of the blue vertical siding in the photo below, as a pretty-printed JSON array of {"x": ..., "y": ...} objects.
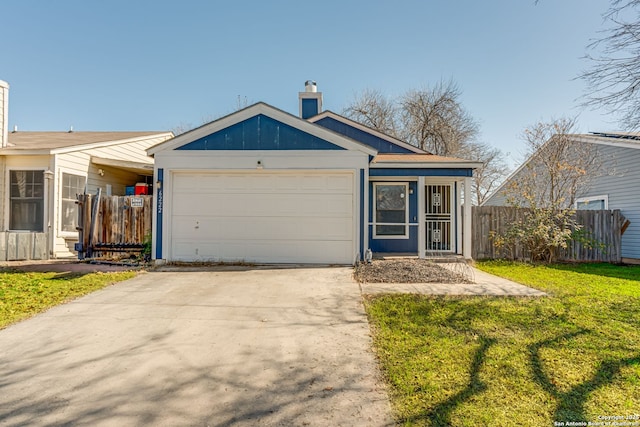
[
  {"x": 260, "y": 133},
  {"x": 382, "y": 145},
  {"x": 309, "y": 107}
]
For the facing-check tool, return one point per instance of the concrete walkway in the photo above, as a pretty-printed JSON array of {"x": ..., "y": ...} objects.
[
  {"x": 485, "y": 284},
  {"x": 238, "y": 347}
]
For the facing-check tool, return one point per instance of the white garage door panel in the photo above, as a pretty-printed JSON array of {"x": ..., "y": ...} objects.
[
  {"x": 260, "y": 205},
  {"x": 263, "y": 217},
  {"x": 262, "y": 182},
  {"x": 270, "y": 228},
  {"x": 284, "y": 252}
]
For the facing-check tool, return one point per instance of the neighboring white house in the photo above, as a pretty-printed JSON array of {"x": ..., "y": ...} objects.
[
  {"x": 262, "y": 185},
  {"x": 42, "y": 172},
  {"x": 615, "y": 186}
]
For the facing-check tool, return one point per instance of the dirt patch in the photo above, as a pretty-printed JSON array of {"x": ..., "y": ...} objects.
[{"x": 408, "y": 271}]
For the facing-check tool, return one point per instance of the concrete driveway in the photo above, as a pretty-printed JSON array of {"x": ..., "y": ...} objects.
[{"x": 229, "y": 347}]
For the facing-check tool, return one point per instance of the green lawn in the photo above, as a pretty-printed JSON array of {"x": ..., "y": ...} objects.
[
  {"x": 24, "y": 294},
  {"x": 571, "y": 356}
]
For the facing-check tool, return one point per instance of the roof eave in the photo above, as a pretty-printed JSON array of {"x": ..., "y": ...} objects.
[
  {"x": 137, "y": 167},
  {"x": 109, "y": 143},
  {"x": 25, "y": 152},
  {"x": 426, "y": 165},
  {"x": 602, "y": 140}
]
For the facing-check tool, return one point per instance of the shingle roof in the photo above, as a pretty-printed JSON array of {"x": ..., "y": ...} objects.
[
  {"x": 632, "y": 136},
  {"x": 51, "y": 140}
]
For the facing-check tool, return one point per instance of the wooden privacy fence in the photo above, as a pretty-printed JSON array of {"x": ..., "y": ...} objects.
[
  {"x": 113, "y": 224},
  {"x": 604, "y": 227}
]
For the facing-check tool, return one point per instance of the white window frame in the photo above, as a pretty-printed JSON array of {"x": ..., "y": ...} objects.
[
  {"x": 61, "y": 233},
  {"x": 590, "y": 199},
  {"x": 8, "y": 199},
  {"x": 406, "y": 212}
]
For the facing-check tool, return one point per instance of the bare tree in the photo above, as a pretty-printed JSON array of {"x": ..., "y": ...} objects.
[
  {"x": 558, "y": 168},
  {"x": 430, "y": 118},
  {"x": 373, "y": 109},
  {"x": 182, "y": 127},
  {"x": 435, "y": 120},
  {"x": 488, "y": 177},
  {"x": 613, "y": 80}
]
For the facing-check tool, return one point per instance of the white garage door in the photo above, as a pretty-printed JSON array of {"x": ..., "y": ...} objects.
[{"x": 263, "y": 217}]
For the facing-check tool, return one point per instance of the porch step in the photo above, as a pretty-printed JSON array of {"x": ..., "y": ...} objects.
[
  {"x": 446, "y": 258},
  {"x": 394, "y": 255}
]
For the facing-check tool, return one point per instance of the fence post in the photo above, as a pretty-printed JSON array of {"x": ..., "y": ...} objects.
[{"x": 94, "y": 214}]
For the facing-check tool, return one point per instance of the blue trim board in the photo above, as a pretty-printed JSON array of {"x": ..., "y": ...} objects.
[
  {"x": 160, "y": 202},
  {"x": 382, "y": 145},
  {"x": 363, "y": 211},
  {"x": 260, "y": 133},
  {"x": 400, "y": 172}
]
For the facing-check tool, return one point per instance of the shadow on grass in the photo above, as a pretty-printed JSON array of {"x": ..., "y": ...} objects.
[
  {"x": 69, "y": 275},
  {"x": 441, "y": 413},
  {"x": 621, "y": 271},
  {"x": 571, "y": 403}
]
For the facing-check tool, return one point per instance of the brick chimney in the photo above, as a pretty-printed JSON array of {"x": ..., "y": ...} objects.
[{"x": 4, "y": 114}]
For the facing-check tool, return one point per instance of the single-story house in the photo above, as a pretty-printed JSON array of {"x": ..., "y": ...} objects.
[
  {"x": 262, "y": 185},
  {"x": 614, "y": 186},
  {"x": 42, "y": 172}
]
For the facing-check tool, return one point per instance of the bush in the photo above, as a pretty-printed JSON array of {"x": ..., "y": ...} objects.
[{"x": 541, "y": 233}]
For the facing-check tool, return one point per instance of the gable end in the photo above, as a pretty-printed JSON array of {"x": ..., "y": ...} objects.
[{"x": 260, "y": 133}]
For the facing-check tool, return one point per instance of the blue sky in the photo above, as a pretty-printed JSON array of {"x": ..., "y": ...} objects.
[{"x": 155, "y": 65}]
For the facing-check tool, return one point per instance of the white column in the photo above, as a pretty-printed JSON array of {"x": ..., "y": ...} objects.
[
  {"x": 365, "y": 208},
  {"x": 422, "y": 235},
  {"x": 458, "y": 216},
  {"x": 49, "y": 206},
  {"x": 466, "y": 245}
]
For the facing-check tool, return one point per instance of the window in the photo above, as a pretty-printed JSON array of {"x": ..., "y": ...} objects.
[
  {"x": 390, "y": 213},
  {"x": 72, "y": 185},
  {"x": 592, "y": 203},
  {"x": 27, "y": 200}
]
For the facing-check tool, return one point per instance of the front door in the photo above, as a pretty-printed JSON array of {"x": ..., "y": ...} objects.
[{"x": 439, "y": 218}]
